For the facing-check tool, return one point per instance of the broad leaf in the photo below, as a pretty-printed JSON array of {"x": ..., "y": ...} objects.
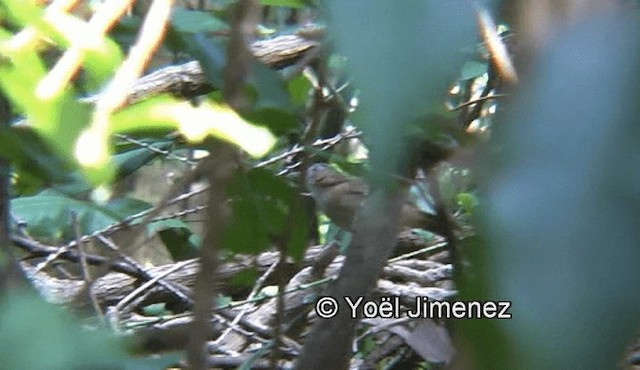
[{"x": 48, "y": 215}]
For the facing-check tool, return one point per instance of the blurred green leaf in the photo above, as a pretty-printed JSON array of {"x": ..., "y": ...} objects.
[
  {"x": 298, "y": 230},
  {"x": 278, "y": 121},
  {"x": 181, "y": 242},
  {"x": 34, "y": 163},
  {"x": 562, "y": 209},
  {"x": 260, "y": 203},
  {"x": 101, "y": 55},
  {"x": 298, "y": 88},
  {"x": 245, "y": 279},
  {"x": 124, "y": 207},
  {"x": 129, "y": 161},
  {"x": 100, "y": 65},
  {"x": 22, "y": 12},
  {"x": 195, "y": 123},
  {"x": 58, "y": 117},
  {"x": 467, "y": 201},
  {"x": 125, "y": 31},
  {"x": 271, "y": 89},
  {"x": 193, "y": 21},
  {"x": 211, "y": 53},
  {"x": 381, "y": 43},
  {"x": 53, "y": 338},
  {"x": 48, "y": 215}
]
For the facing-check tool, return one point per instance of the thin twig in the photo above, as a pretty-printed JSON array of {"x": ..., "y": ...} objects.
[
  {"x": 254, "y": 292},
  {"x": 152, "y": 148},
  {"x": 127, "y": 222},
  {"x": 323, "y": 144},
  {"x": 478, "y": 100},
  {"x": 429, "y": 249},
  {"x": 84, "y": 266},
  {"x": 177, "y": 292},
  {"x": 149, "y": 283},
  {"x": 149, "y": 38}
]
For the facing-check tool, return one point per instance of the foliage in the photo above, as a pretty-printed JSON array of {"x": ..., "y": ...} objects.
[
  {"x": 556, "y": 198},
  {"x": 60, "y": 342},
  {"x": 562, "y": 207},
  {"x": 61, "y": 151},
  {"x": 52, "y": 109},
  {"x": 390, "y": 101}
]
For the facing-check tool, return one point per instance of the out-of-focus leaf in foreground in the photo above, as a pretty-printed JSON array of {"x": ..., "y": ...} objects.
[
  {"x": 402, "y": 57},
  {"x": 563, "y": 209},
  {"x": 165, "y": 113},
  {"x": 196, "y": 123},
  {"x": 54, "y": 340}
]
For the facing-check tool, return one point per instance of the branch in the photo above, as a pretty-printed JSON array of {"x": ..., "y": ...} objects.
[{"x": 188, "y": 80}]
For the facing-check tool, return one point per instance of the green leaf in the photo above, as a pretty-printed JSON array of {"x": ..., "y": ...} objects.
[
  {"x": 278, "y": 121},
  {"x": 101, "y": 55},
  {"x": 195, "y": 123},
  {"x": 124, "y": 207},
  {"x": 129, "y": 161},
  {"x": 298, "y": 88},
  {"x": 35, "y": 163},
  {"x": 467, "y": 201},
  {"x": 210, "y": 53},
  {"x": 245, "y": 279},
  {"x": 562, "y": 214},
  {"x": 101, "y": 64},
  {"x": 22, "y": 12},
  {"x": 55, "y": 340},
  {"x": 126, "y": 30},
  {"x": 471, "y": 70},
  {"x": 193, "y": 21},
  {"x": 260, "y": 203},
  {"x": 48, "y": 215},
  {"x": 53, "y": 113},
  {"x": 245, "y": 234},
  {"x": 271, "y": 89},
  {"x": 299, "y": 232},
  {"x": 379, "y": 40},
  {"x": 181, "y": 242}
]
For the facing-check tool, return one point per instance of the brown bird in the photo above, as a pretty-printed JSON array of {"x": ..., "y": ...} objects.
[{"x": 340, "y": 196}]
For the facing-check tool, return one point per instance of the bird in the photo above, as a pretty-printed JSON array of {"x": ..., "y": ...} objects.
[{"x": 339, "y": 197}]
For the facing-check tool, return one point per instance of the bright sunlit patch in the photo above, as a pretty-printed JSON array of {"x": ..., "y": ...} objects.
[
  {"x": 270, "y": 291},
  {"x": 196, "y": 123},
  {"x": 353, "y": 104},
  {"x": 91, "y": 148},
  {"x": 76, "y": 31},
  {"x": 199, "y": 154},
  {"x": 101, "y": 194},
  {"x": 54, "y": 83},
  {"x": 25, "y": 39}
]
